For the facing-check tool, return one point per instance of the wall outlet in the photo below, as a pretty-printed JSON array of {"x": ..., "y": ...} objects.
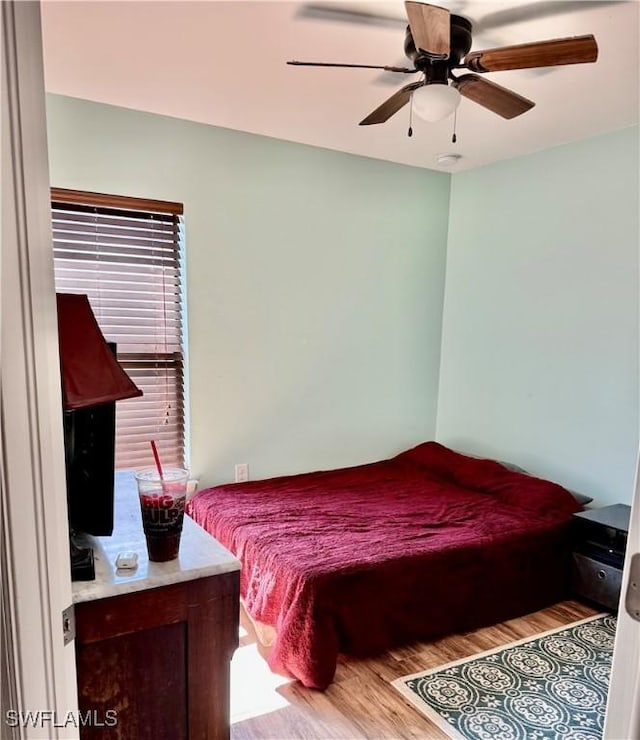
[{"x": 242, "y": 472}]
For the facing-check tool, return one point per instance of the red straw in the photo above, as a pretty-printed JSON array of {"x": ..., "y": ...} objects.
[{"x": 156, "y": 457}]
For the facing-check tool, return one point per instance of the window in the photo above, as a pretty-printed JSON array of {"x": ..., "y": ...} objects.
[{"x": 125, "y": 254}]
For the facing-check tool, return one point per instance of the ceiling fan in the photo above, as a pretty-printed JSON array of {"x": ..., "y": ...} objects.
[{"x": 438, "y": 43}]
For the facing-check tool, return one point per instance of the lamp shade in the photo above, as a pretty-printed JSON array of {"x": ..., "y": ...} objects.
[
  {"x": 91, "y": 374},
  {"x": 435, "y": 101}
]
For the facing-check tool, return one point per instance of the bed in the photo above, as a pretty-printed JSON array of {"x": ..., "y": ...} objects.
[{"x": 360, "y": 559}]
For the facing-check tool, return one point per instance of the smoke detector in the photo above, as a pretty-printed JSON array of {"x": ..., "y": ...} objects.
[{"x": 448, "y": 160}]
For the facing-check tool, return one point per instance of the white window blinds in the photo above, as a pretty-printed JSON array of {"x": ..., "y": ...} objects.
[{"x": 125, "y": 254}]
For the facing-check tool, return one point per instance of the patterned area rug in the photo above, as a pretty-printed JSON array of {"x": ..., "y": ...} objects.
[{"x": 551, "y": 687}]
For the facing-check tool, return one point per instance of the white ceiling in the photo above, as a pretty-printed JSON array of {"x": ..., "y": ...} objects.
[{"x": 223, "y": 63}]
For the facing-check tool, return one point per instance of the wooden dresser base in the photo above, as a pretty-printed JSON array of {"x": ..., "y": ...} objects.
[{"x": 160, "y": 659}]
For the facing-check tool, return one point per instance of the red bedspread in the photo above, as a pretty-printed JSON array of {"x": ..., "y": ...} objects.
[{"x": 359, "y": 559}]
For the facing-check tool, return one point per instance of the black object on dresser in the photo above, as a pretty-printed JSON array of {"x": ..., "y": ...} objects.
[{"x": 599, "y": 545}]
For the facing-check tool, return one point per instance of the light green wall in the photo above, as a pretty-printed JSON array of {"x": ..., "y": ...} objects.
[
  {"x": 314, "y": 279},
  {"x": 540, "y": 331},
  {"x": 315, "y": 292}
]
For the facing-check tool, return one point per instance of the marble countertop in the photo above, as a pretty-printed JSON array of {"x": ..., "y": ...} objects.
[{"x": 200, "y": 554}]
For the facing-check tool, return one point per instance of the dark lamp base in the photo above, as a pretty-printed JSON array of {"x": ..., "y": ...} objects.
[{"x": 82, "y": 568}]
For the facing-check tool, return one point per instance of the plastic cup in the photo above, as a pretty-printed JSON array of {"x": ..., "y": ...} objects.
[{"x": 162, "y": 507}]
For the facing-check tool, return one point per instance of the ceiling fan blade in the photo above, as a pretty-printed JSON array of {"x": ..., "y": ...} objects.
[
  {"x": 430, "y": 27},
  {"x": 392, "y": 105},
  {"x": 349, "y": 14},
  {"x": 388, "y": 79},
  {"x": 536, "y": 11},
  {"x": 406, "y": 70},
  {"x": 495, "y": 98},
  {"x": 574, "y": 50}
]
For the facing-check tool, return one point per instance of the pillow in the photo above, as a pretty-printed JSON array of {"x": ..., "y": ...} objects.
[
  {"x": 513, "y": 468},
  {"x": 491, "y": 477},
  {"x": 579, "y": 497}
]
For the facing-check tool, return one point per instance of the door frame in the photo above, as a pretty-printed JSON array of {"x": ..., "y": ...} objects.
[
  {"x": 35, "y": 541},
  {"x": 622, "y": 721}
]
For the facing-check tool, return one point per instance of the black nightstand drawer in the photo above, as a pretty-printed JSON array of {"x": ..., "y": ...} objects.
[{"x": 596, "y": 581}]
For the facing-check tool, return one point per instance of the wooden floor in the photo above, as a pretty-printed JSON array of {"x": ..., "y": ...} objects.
[{"x": 361, "y": 703}]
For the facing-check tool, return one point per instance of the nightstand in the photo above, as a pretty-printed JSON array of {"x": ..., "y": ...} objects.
[{"x": 599, "y": 544}]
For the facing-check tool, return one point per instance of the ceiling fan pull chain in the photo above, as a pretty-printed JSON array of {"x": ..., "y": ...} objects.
[
  {"x": 454, "y": 138},
  {"x": 410, "y": 131}
]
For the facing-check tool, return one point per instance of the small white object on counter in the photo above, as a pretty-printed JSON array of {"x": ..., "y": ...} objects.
[
  {"x": 127, "y": 560},
  {"x": 200, "y": 555}
]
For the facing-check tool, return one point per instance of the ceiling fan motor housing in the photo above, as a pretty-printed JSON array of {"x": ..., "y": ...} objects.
[{"x": 437, "y": 70}]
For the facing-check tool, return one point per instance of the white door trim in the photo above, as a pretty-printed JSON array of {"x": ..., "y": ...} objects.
[
  {"x": 34, "y": 520},
  {"x": 623, "y": 709}
]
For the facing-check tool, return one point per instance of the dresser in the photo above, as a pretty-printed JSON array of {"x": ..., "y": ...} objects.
[{"x": 153, "y": 645}]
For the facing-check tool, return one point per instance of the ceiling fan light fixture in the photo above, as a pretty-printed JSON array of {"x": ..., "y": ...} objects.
[{"x": 435, "y": 101}]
